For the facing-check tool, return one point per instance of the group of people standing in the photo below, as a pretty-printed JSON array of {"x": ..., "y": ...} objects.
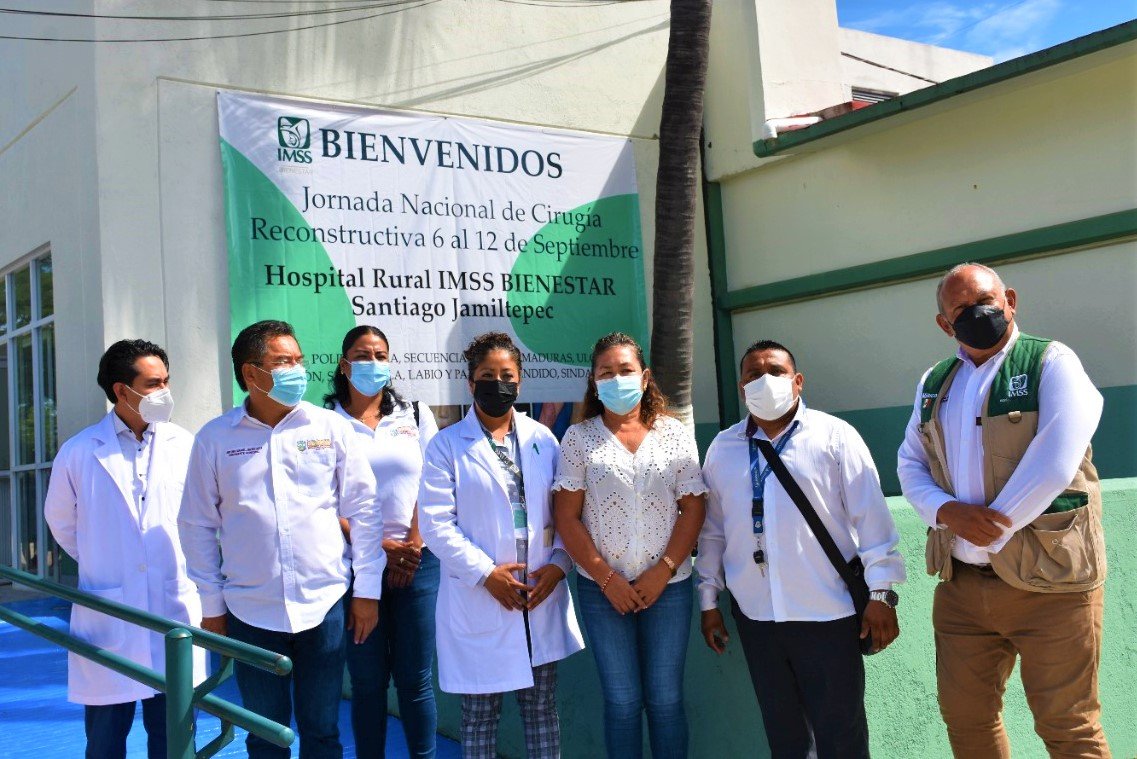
[{"x": 362, "y": 534}]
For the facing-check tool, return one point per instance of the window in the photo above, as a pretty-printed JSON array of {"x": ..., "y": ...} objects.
[{"x": 27, "y": 412}]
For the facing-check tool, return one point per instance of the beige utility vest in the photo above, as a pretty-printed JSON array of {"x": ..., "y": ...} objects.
[{"x": 1063, "y": 550}]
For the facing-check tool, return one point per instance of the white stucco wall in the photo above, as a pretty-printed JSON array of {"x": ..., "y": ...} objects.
[
  {"x": 152, "y": 183},
  {"x": 1022, "y": 156},
  {"x": 925, "y": 62}
]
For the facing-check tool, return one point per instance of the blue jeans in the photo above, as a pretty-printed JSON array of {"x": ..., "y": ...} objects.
[
  {"x": 107, "y": 727},
  {"x": 314, "y": 688},
  {"x": 640, "y": 659},
  {"x": 402, "y": 646}
]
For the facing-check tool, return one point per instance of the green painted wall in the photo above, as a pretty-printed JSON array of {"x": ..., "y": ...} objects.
[
  {"x": 1115, "y": 443},
  {"x": 903, "y": 714}
]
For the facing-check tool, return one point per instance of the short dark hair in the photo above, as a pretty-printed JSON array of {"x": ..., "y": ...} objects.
[
  {"x": 482, "y": 345},
  {"x": 117, "y": 364},
  {"x": 767, "y": 345},
  {"x": 252, "y": 344}
]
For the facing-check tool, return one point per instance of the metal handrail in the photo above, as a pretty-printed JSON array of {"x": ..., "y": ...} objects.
[
  {"x": 181, "y": 695},
  {"x": 242, "y": 652}
]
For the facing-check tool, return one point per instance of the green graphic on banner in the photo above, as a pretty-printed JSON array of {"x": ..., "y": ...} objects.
[
  {"x": 595, "y": 292},
  {"x": 320, "y": 320},
  {"x": 435, "y": 230}
]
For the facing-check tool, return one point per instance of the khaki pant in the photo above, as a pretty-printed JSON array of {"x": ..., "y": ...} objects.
[{"x": 981, "y": 624}]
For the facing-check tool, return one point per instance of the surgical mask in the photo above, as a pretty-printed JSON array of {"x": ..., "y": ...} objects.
[
  {"x": 770, "y": 397},
  {"x": 620, "y": 394},
  {"x": 288, "y": 384},
  {"x": 980, "y": 326},
  {"x": 370, "y": 377},
  {"x": 157, "y": 406},
  {"x": 494, "y": 397}
]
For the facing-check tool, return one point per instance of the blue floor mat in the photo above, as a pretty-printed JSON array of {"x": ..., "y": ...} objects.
[{"x": 36, "y": 720}]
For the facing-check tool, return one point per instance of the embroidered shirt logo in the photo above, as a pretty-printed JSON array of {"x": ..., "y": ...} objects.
[
  {"x": 1018, "y": 386},
  {"x": 313, "y": 445}
]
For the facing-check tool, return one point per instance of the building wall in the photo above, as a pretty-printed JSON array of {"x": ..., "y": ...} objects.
[
  {"x": 1018, "y": 158},
  {"x": 919, "y": 63},
  {"x": 156, "y": 263}
]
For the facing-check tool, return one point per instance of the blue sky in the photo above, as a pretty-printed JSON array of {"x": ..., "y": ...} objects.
[{"x": 1000, "y": 28}]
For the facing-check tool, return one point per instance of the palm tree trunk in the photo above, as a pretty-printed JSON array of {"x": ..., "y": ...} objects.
[{"x": 672, "y": 337}]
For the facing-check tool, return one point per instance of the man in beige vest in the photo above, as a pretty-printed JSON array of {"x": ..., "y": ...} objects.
[{"x": 996, "y": 460}]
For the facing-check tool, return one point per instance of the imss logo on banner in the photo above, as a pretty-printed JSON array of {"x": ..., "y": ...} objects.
[{"x": 294, "y": 134}]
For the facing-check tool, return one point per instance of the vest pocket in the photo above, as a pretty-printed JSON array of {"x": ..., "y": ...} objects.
[{"x": 1058, "y": 549}]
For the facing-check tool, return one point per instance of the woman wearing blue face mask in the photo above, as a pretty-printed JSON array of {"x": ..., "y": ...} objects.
[
  {"x": 629, "y": 504},
  {"x": 394, "y": 434}
]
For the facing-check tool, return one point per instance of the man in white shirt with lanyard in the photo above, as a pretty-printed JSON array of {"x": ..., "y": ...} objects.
[
  {"x": 996, "y": 460},
  {"x": 259, "y": 523},
  {"x": 795, "y": 615}
]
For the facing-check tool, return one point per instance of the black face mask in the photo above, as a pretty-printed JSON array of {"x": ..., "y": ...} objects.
[
  {"x": 980, "y": 326},
  {"x": 495, "y": 398}
]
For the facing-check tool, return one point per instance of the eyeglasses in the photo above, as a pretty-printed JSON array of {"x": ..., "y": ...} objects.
[{"x": 284, "y": 363}]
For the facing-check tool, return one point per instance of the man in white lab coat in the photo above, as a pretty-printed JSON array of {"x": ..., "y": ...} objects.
[{"x": 112, "y": 504}]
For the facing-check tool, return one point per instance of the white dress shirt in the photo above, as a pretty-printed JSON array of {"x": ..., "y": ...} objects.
[
  {"x": 394, "y": 449},
  {"x": 136, "y": 453},
  {"x": 834, "y": 469},
  {"x": 631, "y": 501},
  {"x": 272, "y": 496},
  {"x": 1069, "y": 407}
]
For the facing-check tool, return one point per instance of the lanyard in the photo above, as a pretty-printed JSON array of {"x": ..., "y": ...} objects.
[
  {"x": 758, "y": 482},
  {"x": 510, "y": 465},
  {"x": 520, "y": 516}
]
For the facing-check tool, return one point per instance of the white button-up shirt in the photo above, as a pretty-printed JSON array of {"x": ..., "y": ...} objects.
[
  {"x": 833, "y": 467},
  {"x": 272, "y": 496},
  {"x": 1069, "y": 407},
  {"x": 137, "y": 455}
]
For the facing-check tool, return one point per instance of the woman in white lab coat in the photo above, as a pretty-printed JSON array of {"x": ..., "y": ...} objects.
[{"x": 504, "y": 615}]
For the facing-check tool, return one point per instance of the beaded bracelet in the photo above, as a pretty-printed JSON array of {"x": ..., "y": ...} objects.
[{"x": 604, "y": 584}]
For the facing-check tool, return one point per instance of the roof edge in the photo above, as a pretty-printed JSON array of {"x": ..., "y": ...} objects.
[{"x": 1000, "y": 72}]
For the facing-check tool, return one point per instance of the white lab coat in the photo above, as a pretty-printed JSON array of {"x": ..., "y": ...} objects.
[
  {"x": 123, "y": 556},
  {"x": 467, "y": 522}
]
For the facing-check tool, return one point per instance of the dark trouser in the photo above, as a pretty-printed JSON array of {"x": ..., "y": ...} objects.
[
  {"x": 401, "y": 647},
  {"x": 808, "y": 675},
  {"x": 314, "y": 688},
  {"x": 107, "y": 727}
]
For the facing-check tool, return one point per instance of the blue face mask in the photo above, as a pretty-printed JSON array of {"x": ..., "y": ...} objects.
[
  {"x": 370, "y": 377},
  {"x": 288, "y": 385},
  {"x": 620, "y": 394}
]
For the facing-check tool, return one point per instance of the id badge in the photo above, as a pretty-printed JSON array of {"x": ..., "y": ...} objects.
[{"x": 520, "y": 521}]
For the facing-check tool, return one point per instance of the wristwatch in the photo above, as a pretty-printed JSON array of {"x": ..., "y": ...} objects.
[
  {"x": 670, "y": 565},
  {"x": 886, "y": 597}
]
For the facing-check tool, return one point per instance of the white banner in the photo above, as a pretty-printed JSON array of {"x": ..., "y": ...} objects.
[{"x": 435, "y": 230}]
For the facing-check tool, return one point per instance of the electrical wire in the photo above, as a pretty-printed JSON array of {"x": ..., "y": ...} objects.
[
  {"x": 217, "y": 17},
  {"x": 889, "y": 68},
  {"x": 407, "y": 5}
]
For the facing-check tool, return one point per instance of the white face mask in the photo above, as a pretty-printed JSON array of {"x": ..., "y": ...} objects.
[
  {"x": 769, "y": 397},
  {"x": 157, "y": 406}
]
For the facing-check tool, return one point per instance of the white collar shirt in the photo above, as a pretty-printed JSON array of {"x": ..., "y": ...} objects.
[
  {"x": 1068, "y": 413},
  {"x": 832, "y": 465},
  {"x": 270, "y": 498},
  {"x": 395, "y": 451},
  {"x": 137, "y": 454}
]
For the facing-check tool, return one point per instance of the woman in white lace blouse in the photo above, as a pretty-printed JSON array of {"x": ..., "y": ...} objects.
[{"x": 629, "y": 502}]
